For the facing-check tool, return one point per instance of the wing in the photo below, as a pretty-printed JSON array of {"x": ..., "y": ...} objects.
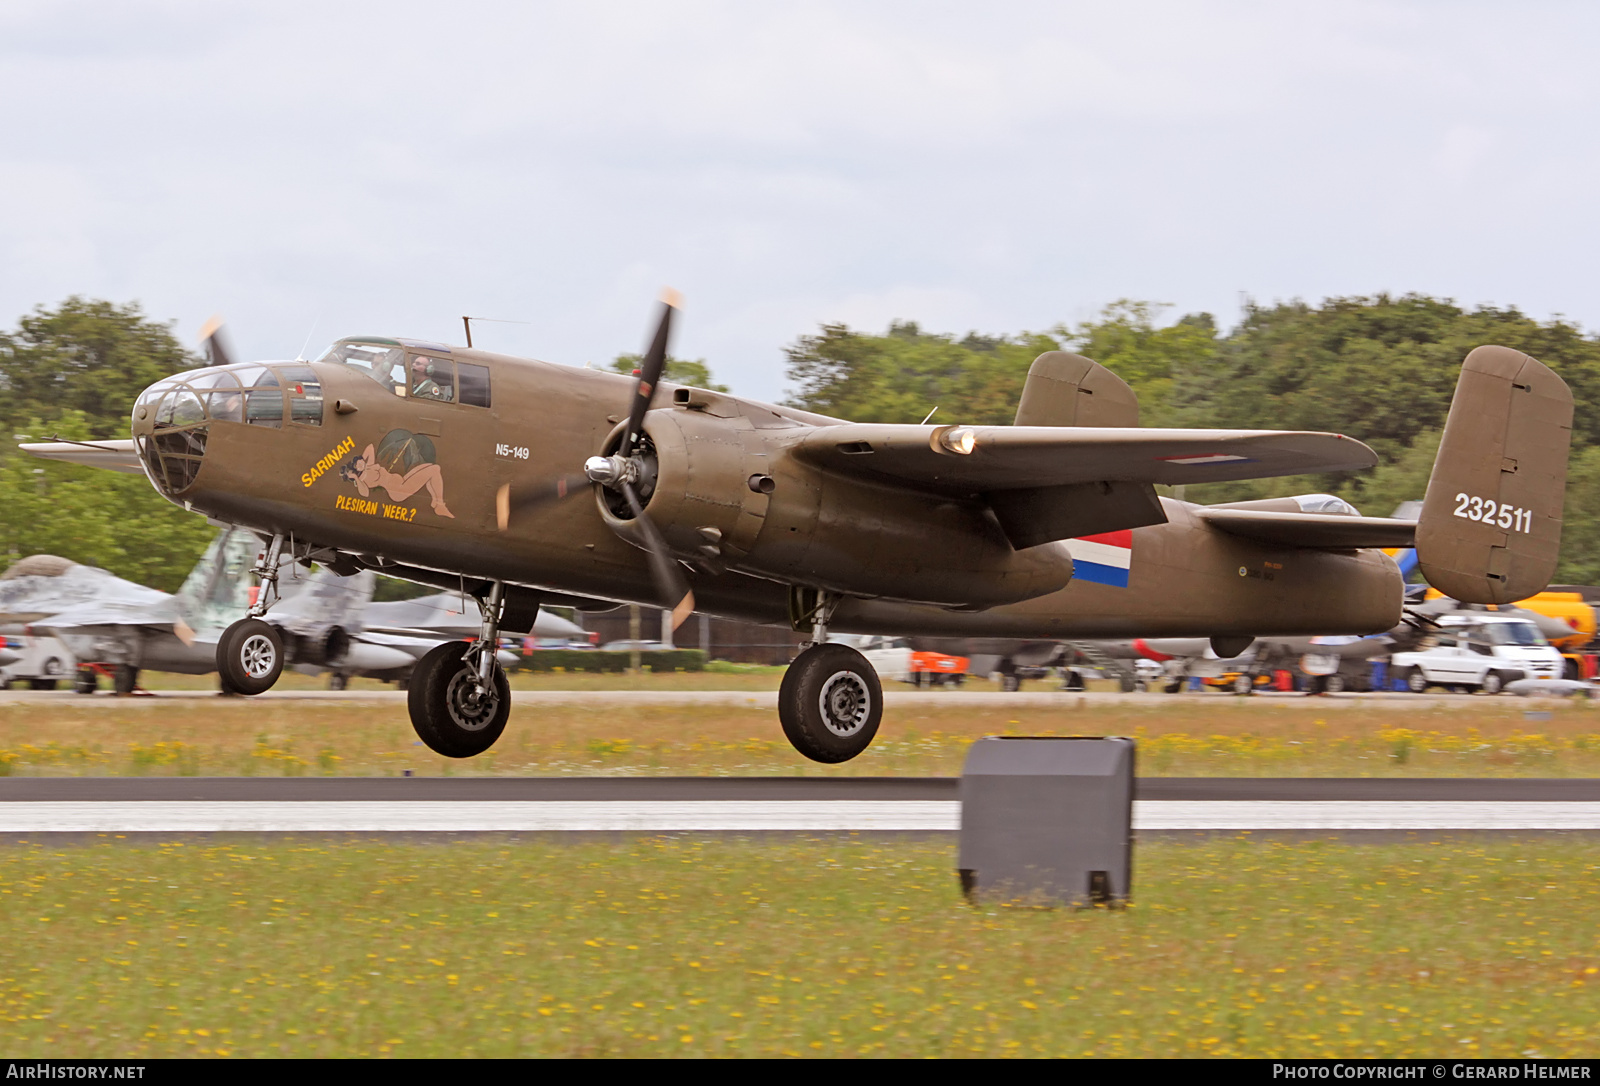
[
  {"x": 1058, "y": 482},
  {"x": 162, "y": 614},
  {"x": 112, "y": 455},
  {"x": 1030, "y": 457},
  {"x": 1316, "y": 531}
]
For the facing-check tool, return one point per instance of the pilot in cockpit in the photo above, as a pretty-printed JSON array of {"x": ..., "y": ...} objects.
[{"x": 427, "y": 380}]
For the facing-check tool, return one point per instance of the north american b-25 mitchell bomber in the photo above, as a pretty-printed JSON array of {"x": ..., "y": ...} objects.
[{"x": 527, "y": 484}]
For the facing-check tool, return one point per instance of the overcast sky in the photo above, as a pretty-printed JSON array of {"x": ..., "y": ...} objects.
[{"x": 329, "y": 169}]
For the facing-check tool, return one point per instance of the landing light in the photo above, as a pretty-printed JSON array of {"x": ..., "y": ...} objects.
[{"x": 960, "y": 440}]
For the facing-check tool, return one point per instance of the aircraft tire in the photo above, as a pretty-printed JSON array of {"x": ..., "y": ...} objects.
[
  {"x": 830, "y": 703},
  {"x": 1333, "y": 684},
  {"x": 1009, "y": 682},
  {"x": 338, "y": 681},
  {"x": 1244, "y": 684},
  {"x": 249, "y": 657},
  {"x": 86, "y": 681},
  {"x": 41, "y": 684},
  {"x": 125, "y": 679},
  {"x": 448, "y": 718}
]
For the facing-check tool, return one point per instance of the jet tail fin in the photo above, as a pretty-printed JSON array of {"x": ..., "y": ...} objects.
[{"x": 1490, "y": 529}]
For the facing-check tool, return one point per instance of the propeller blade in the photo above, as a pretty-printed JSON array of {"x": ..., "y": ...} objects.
[
  {"x": 530, "y": 498},
  {"x": 213, "y": 345},
  {"x": 650, "y": 367},
  {"x": 670, "y": 582}
]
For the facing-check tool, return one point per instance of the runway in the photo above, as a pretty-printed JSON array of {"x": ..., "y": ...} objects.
[
  {"x": 768, "y": 699},
  {"x": 797, "y": 804}
]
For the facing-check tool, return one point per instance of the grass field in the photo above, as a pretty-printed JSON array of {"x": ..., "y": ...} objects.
[
  {"x": 841, "y": 946},
  {"x": 1189, "y": 736}
]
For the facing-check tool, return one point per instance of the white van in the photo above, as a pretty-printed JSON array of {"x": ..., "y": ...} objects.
[{"x": 1478, "y": 650}]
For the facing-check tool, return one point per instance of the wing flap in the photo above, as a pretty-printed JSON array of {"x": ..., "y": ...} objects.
[
  {"x": 1029, "y": 457},
  {"x": 1314, "y": 531}
]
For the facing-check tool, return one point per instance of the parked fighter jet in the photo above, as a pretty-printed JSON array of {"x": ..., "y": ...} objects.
[
  {"x": 103, "y": 619},
  {"x": 446, "y": 465}
]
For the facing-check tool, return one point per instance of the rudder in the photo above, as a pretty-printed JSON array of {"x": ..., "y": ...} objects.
[{"x": 1490, "y": 530}]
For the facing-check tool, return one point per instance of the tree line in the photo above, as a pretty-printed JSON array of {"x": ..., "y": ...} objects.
[{"x": 1378, "y": 368}]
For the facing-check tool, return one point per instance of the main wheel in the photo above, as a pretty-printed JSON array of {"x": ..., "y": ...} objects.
[
  {"x": 338, "y": 681},
  {"x": 126, "y": 679},
  {"x": 41, "y": 684},
  {"x": 1334, "y": 684},
  {"x": 451, "y": 715},
  {"x": 87, "y": 680},
  {"x": 1009, "y": 682},
  {"x": 249, "y": 657},
  {"x": 1244, "y": 683},
  {"x": 830, "y": 703}
]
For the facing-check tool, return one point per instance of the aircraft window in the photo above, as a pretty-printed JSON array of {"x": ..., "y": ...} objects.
[
  {"x": 305, "y": 395},
  {"x": 251, "y": 375},
  {"x": 263, "y": 405},
  {"x": 184, "y": 407},
  {"x": 214, "y": 378},
  {"x": 227, "y": 406},
  {"x": 382, "y": 363},
  {"x": 1515, "y": 633},
  {"x": 432, "y": 379},
  {"x": 474, "y": 384}
]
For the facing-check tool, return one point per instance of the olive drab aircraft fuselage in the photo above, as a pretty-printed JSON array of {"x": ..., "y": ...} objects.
[{"x": 527, "y": 482}]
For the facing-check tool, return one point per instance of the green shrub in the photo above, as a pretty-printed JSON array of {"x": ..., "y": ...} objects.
[{"x": 545, "y": 660}]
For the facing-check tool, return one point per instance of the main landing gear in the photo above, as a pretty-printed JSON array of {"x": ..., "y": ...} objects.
[
  {"x": 830, "y": 702},
  {"x": 458, "y": 695},
  {"x": 250, "y": 652}
]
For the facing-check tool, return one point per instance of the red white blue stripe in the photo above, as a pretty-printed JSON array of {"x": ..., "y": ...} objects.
[{"x": 1102, "y": 559}]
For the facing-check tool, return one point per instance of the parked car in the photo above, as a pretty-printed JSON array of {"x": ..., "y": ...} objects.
[
  {"x": 1478, "y": 651},
  {"x": 629, "y": 646}
]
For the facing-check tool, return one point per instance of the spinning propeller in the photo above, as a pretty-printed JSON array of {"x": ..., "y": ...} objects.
[
  {"x": 213, "y": 345},
  {"x": 624, "y": 470}
]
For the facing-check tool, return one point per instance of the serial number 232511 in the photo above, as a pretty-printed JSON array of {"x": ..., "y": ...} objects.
[{"x": 1486, "y": 511}]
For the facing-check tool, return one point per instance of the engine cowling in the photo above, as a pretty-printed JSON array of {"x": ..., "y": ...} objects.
[{"x": 725, "y": 493}]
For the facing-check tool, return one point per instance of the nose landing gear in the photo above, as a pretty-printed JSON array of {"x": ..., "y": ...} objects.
[{"x": 250, "y": 652}]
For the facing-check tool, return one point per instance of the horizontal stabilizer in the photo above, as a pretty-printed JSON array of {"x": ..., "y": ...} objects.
[
  {"x": 1030, "y": 457},
  {"x": 112, "y": 455},
  {"x": 1315, "y": 531}
]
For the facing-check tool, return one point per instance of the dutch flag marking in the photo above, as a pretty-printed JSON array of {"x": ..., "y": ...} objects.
[{"x": 1103, "y": 559}]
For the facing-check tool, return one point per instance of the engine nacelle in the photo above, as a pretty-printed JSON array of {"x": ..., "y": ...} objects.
[{"x": 727, "y": 494}]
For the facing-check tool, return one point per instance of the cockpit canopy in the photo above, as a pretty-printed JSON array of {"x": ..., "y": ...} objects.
[
  {"x": 1325, "y": 503},
  {"x": 180, "y": 409},
  {"x": 414, "y": 368}
]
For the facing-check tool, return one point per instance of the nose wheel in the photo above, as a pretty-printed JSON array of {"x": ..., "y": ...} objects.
[
  {"x": 830, "y": 703},
  {"x": 455, "y": 712},
  {"x": 249, "y": 657}
]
